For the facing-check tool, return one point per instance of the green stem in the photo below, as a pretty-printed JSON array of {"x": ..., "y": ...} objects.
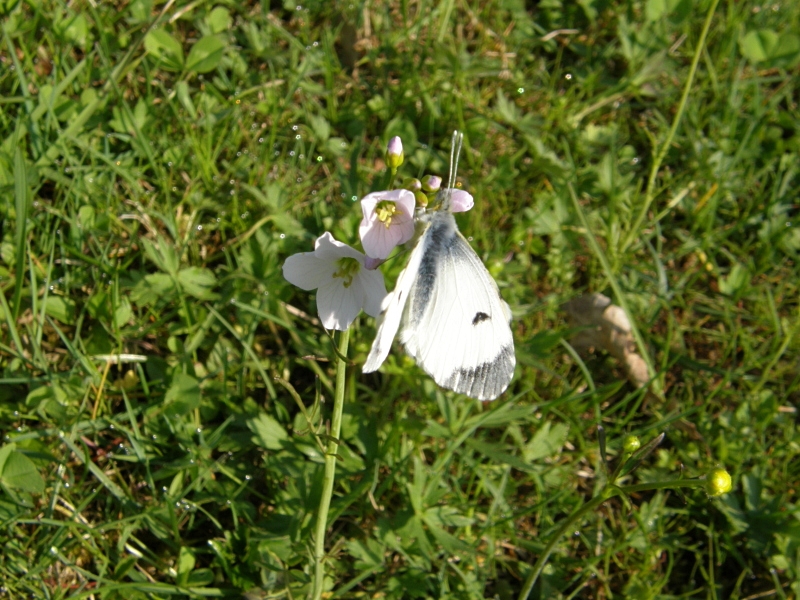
[
  {"x": 609, "y": 491},
  {"x": 330, "y": 467},
  {"x": 662, "y": 152}
]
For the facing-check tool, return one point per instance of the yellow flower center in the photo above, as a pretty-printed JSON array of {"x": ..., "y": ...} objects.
[
  {"x": 385, "y": 210},
  {"x": 348, "y": 268}
]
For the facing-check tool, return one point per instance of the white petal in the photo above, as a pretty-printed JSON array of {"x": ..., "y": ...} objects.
[
  {"x": 307, "y": 271},
  {"x": 327, "y": 248},
  {"x": 373, "y": 291},
  {"x": 338, "y": 306}
]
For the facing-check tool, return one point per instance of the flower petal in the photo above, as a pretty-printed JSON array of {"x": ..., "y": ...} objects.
[
  {"x": 377, "y": 239},
  {"x": 372, "y": 263},
  {"x": 395, "y": 146},
  {"x": 338, "y": 306},
  {"x": 329, "y": 249},
  {"x": 373, "y": 290},
  {"x": 406, "y": 202},
  {"x": 403, "y": 198},
  {"x": 460, "y": 201},
  {"x": 307, "y": 271}
]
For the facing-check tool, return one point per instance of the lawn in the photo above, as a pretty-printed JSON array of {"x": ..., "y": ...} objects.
[{"x": 169, "y": 401}]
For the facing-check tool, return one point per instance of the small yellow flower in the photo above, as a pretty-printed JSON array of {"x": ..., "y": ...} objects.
[{"x": 718, "y": 482}]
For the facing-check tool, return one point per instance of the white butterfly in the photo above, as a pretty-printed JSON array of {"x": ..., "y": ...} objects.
[{"x": 455, "y": 324}]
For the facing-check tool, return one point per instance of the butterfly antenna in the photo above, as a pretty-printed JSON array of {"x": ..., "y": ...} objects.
[{"x": 455, "y": 153}]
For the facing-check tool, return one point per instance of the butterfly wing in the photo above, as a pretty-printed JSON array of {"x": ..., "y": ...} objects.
[
  {"x": 456, "y": 324},
  {"x": 392, "y": 310}
]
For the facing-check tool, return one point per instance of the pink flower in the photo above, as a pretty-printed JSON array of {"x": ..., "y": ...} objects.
[
  {"x": 344, "y": 286},
  {"x": 388, "y": 221}
]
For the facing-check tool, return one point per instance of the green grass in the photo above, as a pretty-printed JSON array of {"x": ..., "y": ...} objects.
[{"x": 157, "y": 169}]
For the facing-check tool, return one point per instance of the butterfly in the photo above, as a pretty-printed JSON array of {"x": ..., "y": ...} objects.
[{"x": 451, "y": 316}]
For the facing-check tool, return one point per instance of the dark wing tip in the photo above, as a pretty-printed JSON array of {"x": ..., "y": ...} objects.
[{"x": 486, "y": 381}]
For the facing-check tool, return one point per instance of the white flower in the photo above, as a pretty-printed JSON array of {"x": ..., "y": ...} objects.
[
  {"x": 343, "y": 285},
  {"x": 388, "y": 221}
]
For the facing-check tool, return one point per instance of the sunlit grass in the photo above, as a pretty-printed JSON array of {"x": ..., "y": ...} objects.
[{"x": 167, "y": 164}]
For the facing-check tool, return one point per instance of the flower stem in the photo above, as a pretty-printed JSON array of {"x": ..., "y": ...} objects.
[
  {"x": 330, "y": 467},
  {"x": 609, "y": 491}
]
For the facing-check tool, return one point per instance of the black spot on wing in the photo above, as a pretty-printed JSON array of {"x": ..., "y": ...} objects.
[{"x": 480, "y": 317}]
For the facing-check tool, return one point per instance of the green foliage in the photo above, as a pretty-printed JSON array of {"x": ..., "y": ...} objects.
[
  {"x": 165, "y": 49},
  {"x": 18, "y": 472},
  {"x": 164, "y": 393},
  {"x": 767, "y": 46}
]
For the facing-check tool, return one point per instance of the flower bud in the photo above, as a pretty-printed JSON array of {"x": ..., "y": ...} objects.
[
  {"x": 631, "y": 444},
  {"x": 422, "y": 199},
  {"x": 460, "y": 201},
  {"x": 413, "y": 184},
  {"x": 718, "y": 482},
  {"x": 128, "y": 381},
  {"x": 394, "y": 153},
  {"x": 431, "y": 183}
]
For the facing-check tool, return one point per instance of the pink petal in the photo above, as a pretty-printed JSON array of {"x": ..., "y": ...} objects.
[
  {"x": 377, "y": 239},
  {"x": 395, "y": 146},
  {"x": 406, "y": 202},
  {"x": 460, "y": 201},
  {"x": 403, "y": 198},
  {"x": 372, "y": 263}
]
